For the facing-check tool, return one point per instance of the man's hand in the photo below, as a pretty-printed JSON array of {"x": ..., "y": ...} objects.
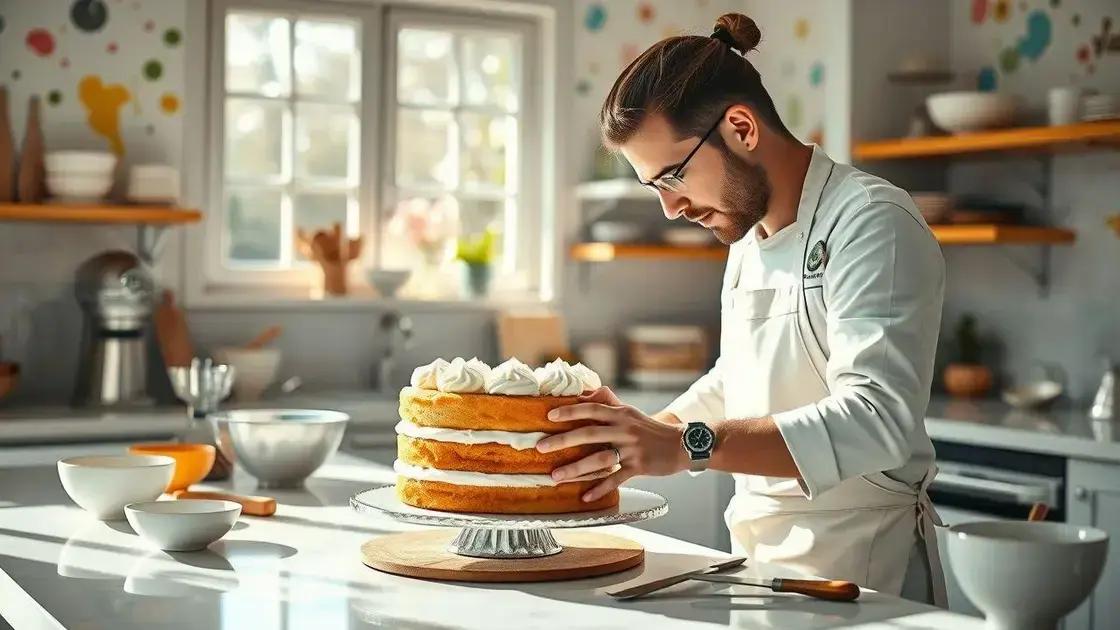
[{"x": 645, "y": 446}]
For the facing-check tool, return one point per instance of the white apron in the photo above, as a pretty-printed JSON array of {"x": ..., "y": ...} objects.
[{"x": 872, "y": 530}]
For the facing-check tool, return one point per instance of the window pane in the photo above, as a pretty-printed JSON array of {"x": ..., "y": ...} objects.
[
  {"x": 254, "y": 137},
  {"x": 425, "y": 67},
  {"x": 487, "y": 141},
  {"x": 253, "y": 220},
  {"x": 489, "y": 70},
  {"x": 424, "y": 142},
  {"x": 327, "y": 60},
  {"x": 257, "y": 58},
  {"x": 319, "y": 211},
  {"x": 326, "y": 141}
]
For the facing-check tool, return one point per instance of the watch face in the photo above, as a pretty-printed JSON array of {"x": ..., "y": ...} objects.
[{"x": 698, "y": 439}]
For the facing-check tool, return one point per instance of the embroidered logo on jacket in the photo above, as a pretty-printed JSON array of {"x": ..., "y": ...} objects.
[{"x": 817, "y": 256}]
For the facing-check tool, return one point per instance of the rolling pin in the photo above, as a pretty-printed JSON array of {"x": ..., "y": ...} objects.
[{"x": 253, "y": 506}]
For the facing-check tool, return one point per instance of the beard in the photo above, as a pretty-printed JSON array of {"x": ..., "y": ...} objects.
[{"x": 745, "y": 195}]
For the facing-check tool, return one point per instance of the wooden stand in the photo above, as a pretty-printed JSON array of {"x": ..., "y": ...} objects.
[{"x": 424, "y": 554}]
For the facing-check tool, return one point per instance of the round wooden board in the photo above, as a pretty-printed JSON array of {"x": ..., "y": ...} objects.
[{"x": 424, "y": 555}]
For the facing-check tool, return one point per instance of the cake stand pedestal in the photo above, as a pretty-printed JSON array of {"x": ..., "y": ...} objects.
[{"x": 505, "y": 547}]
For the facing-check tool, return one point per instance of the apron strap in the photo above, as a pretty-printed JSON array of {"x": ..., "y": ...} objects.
[{"x": 928, "y": 520}]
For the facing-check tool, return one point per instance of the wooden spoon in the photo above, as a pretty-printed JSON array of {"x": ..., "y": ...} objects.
[
  {"x": 267, "y": 336},
  {"x": 1038, "y": 512},
  {"x": 253, "y": 506}
]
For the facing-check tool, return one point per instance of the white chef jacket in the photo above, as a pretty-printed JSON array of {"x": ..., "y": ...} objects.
[{"x": 871, "y": 308}]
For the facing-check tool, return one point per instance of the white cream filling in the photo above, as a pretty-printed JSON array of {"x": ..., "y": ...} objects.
[
  {"x": 491, "y": 480},
  {"x": 519, "y": 441}
]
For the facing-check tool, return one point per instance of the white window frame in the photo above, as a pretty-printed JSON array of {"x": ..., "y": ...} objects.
[{"x": 203, "y": 280}]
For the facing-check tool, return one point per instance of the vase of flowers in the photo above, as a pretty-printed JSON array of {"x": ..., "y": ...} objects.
[
  {"x": 430, "y": 227},
  {"x": 476, "y": 253}
]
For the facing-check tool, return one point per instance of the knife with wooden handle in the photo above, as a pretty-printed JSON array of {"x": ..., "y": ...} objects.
[
  {"x": 665, "y": 582},
  {"x": 253, "y": 506},
  {"x": 832, "y": 590}
]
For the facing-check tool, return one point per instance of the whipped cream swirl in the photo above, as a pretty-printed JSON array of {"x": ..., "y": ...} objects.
[
  {"x": 559, "y": 379},
  {"x": 590, "y": 379},
  {"x": 513, "y": 378},
  {"x": 460, "y": 377},
  {"x": 424, "y": 377}
]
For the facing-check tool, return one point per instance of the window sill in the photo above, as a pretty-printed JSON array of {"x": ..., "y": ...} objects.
[{"x": 362, "y": 299}]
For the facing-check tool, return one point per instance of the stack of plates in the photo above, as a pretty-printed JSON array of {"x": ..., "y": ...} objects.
[
  {"x": 1100, "y": 107},
  {"x": 934, "y": 206}
]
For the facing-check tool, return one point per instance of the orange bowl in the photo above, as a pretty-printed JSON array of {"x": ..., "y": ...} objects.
[{"x": 192, "y": 461}]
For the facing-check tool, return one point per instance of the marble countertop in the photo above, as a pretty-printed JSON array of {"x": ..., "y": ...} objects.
[{"x": 300, "y": 568}]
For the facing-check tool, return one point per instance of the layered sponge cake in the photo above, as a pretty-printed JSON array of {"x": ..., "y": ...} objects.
[{"x": 467, "y": 436}]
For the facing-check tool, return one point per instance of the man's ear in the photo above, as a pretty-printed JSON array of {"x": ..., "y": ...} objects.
[{"x": 742, "y": 129}]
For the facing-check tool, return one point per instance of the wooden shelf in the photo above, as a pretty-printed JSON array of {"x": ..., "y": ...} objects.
[
  {"x": 991, "y": 234},
  {"x": 118, "y": 214},
  {"x": 605, "y": 252},
  {"x": 1018, "y": 139},
  {"x": 613, "y": 190}
]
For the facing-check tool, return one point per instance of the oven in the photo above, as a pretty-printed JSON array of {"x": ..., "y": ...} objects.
[{"x": 983, "y": 483}]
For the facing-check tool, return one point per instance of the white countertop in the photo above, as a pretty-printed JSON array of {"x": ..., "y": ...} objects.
[{"x": 300, "y": 569}]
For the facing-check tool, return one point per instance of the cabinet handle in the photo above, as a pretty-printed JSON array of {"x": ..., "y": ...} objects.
[{"x": 1080, "y": 493}]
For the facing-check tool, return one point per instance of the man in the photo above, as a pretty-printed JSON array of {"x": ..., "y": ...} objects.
[{"x": 831, "y": 306}]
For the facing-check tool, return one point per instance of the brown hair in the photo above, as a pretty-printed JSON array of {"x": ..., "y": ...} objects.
[{"x": 691, "y": 80}]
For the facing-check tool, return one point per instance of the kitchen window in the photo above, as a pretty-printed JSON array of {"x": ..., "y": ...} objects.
[{"x": 377, "y": 118}]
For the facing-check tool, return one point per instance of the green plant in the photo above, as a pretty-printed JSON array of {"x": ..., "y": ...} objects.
[
  {"x": 478, "y": 249},
  {"x": 968, "y": 340}
]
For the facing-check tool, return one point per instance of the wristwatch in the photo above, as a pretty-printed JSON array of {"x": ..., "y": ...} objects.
[{"x": 698, "y": 440}]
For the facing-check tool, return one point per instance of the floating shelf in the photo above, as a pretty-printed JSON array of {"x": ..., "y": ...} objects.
[
  {"x": 1056, "y": 138},
  {"x": 605, "y": 252},
  {"x": 990, "y": 234},
  {"x": 613, "y": 190},
  {"x": 65, "y": 213}
]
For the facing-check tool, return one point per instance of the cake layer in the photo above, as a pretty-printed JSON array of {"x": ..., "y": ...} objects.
[
  {"x": 519, "y": 441},
  {"x": 485, "y": 458},
  {"x": 436, "y": 495},
  {"x": 523, "y": 414}
]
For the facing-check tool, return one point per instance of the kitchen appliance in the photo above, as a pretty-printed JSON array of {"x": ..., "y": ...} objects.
[
  {"x": 978, "y": 483},
  {"x": 114, "y": 291}
]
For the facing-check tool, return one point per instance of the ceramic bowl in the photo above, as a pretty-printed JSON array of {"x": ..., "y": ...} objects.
[
  {"x": 79, "y": 187},
  {"x": 1034, "y": 395},
  {"x": 388, "y": 281},
  {"x": 192, "y": 461},
  {"x": 103, "y": 484},
  {"x": 79, "y": 162},
  {"x": 184, "y": 525},
  {"x": 280, "y": 447},
  {"x": 615, "y": 232},
  {"x": 963, "y": 112},
  {"x": 255, "y": 369},
  {"x": 1024, "y": 574}
]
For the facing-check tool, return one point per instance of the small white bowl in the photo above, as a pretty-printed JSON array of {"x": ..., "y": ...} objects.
[
  {"x": 79, "y": 187},
  {"x": 80, "y": 162},
  {"x": 255, "y": 369},
  {"x": 1033, "y": 396},
  {"x": 153, "y": 183},
  {"x": 103, "y": 484},
  {"x": 615, "y": 232},
  {"x": 1025, "y": 574},
  {"x": 183, "y": 525},
  {"x": 388, "y": 281},
  {"x": 963, "y": 112}
]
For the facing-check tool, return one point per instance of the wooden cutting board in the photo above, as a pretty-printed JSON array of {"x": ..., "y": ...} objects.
[
  {"x": 171, "y": 332},
  {"x": 532, "y": 337},
  {"x": 424, "y": 554}
]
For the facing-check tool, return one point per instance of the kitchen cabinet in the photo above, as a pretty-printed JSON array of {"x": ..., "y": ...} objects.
[{"x": 1093, "y": 497}]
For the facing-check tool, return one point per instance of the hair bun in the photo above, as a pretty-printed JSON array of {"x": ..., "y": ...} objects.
[{"x": 742, "y": 29}]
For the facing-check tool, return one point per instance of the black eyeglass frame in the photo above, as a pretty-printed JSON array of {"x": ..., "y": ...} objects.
[{"x": 674, "y": 182}]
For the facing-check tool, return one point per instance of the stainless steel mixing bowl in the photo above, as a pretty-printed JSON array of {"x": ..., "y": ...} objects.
[{"x": 280, "y": 447}]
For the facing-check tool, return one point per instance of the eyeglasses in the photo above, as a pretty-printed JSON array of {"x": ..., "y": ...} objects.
[{"x": 674, "y": 182}]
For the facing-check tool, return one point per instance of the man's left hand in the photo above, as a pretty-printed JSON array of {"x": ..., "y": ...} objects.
[{"x": 645, "y": 446}]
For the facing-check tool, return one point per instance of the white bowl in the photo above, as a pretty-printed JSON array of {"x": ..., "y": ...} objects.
[
  {"x": 1033, "y": 395},
  {"x": 962, "y": 112},
  {"x": 80, "y": 162},
  {"x": 183, "y": 525},
  {"x": 388, "y": 281},
  {"x": 1023, "y": 574},
  {"x": 615, "y": 232},
  {"x": 79, "y": 187},
  {"x": 153, "y": 183},
  {"x": 104, "y": 484},
  {"x": 255, "y": 369}
]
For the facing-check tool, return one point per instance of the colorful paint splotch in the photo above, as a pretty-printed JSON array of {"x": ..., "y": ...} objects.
[
  {"x": 1037, "y": 39},
  {"x": 1083, "y": 53},
  {"x": 169, "y": 103},
  {"x": 1009, "y": 60},
  {"x": 628, "y": 53},
  {"x": 646, "y": 12},
  {"x": 979, "y": 11},
  {"x": 595, "y": 17},
  {"x": 54, "y": 97},
  {"x": 40, "y": 41},
  {"x": 103, "y": 105},
  {"x": 1001, "y": 11},
  {"x": 801, "y": 28},
  {"x": 16, "y": 74},
  {"x": 1054, "y": 4},
  {"x": 152, "y": 70},
  {"x": 112, "y": 48},
  {"x": 583, "y": 87},
  {"x": 172, "y": 37},
  {"x": 89, "y": 15},
  {"x": 816, "y": 74},
  {"x": 1076, "y": 19},
  {"x": 64, "y": 62},
  {"x": 986, "y": 79}
]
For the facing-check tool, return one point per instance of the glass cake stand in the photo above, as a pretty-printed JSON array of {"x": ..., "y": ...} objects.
[{"x": 508, "y": 536}]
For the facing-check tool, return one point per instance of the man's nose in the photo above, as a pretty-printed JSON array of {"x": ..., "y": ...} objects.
[{"x": 672, "y": 204}]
